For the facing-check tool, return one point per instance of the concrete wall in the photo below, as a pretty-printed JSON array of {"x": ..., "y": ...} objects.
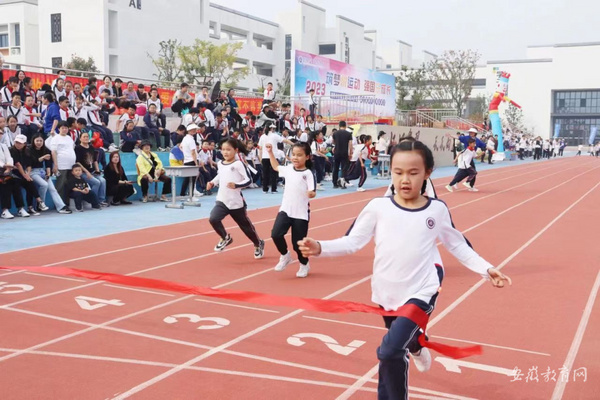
[
  {"x": 25, "y": 15},
  {"x": 436, "y": 139}
]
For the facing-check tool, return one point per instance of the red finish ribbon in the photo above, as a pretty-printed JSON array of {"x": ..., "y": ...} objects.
[{"x": 410, "y": 311}]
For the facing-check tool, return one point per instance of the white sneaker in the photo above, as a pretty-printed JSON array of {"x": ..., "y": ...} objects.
[
  {"x": 360, "y": 189},
  {"x": 6, "y": 215},
  {"x": 42, "y": 206},
  {"x": 23, "y": 213},
  {"x": 197, "y": 193},
  {"x": 283, "y": 262},
  {"x": 303, "y": 271},
  {"x": 348, "y": 184},
  {"x": 449, "y": 188},
  {"x": 320, "y": 186},
  {"x": 467, "y": 184},
  {"x": 422, "y": 359},
  {"x": 473, "y": 190},
  {"x": 455, "y": 186}
]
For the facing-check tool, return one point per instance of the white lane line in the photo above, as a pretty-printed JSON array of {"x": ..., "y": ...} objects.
[
  {"x": 237, "y": 306},
  {"x": 55, "y": 277},
  {"x": 561, "y": 384},
  {"x": 371, "y": 373},
  {"x": 226, "y": 345}
]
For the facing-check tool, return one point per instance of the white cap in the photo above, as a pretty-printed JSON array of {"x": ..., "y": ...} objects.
[
  {"x": 473, "y": 130},
  {"x": 192, "y": 126},
  {"x": 21, "y": 139}
]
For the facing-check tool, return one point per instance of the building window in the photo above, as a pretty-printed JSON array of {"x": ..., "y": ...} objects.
[
  {"x": 577, "y": 102},
  {"x": 212, "y": 30},
  {"x": 288, "y": 67},
  {"x": 56, "y": 28},
  {"x": 113, "y": 29},
  {"x": 3, "y": 40},
  {"x": 325, "y": 49},
  {"x": 17, "y": 35},
  {"x": 582, "y": 102},
  {"x": 388, "y": 66},
  {"x": 56, "y": 63},
  {"x": 288, "y": 47}
]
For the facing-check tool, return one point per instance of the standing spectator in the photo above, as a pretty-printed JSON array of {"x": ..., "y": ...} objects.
[
  {"x": 41, "y": 172},
  {"x": 87, "y": 158},
  {"x": 235, "y": 116},
  {"x": 150, "y": 170},
  {"x": 342, "y": 151},
  {"x": 63, "y": 158},
  {"x": 190, "y": 157},
  {"x": 269, "y": 175},
  {"x": 117, "y": 184}
]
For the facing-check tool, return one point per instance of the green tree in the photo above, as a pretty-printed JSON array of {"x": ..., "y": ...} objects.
[
  {"x": 451, "y": 77},
  {"x": 167, "y": 64},
  {"x": 411, "y": 88},
  {"x": 81, "y": 64},
  {"x": 202, "y": 62},
  {"x": 480, "y": 109},
  {"x": 283, "y": 86},
  {"x": 514, "y": 117}
]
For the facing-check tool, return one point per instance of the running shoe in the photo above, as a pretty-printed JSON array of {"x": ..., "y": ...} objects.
[
  {"x": 223, "y": 243},
  {"x": 283, "y": 262},
  {"x": 259, "y": 251},
  {"x": 303, "y": 271}
]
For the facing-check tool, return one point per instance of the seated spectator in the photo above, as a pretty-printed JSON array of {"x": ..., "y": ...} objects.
[
  {"x": 130, "y": 94},
  {"x": 41, "y": 172},
  {"x": 182, "y": 99},
  {"x": 91, "y": 82},
  {"x": 178, "y": 135},
  {"x": 150, "y": 170},
  {"x": 65, "y": 108},
  {"x": 32, "y": 124},
  {"x": 11, "y": 131},
  {"x": 141, "y": 94},
  {"x": 130, "y": 139},
  {"x": 117, "y": 184},
  {"x": 131, "y": 115},
  {"x": 154, "y": 99},
  {"x": 86, "y": 157},
  {"x": 156, "y": 128},
  {"x": 176, "y": 154},
  {"x": 8, "y": 187},
  {"x": 69, "y": 93},
  {"x": 95, "y": 139},
  {"x": 22, "y": 162},
  {"x": 79, "y": 190},
  {"x": 12, "y": 86},
  {"x": 27, "y": 90},
  {"x": 191, "y": 117},
  {"x": 208, "y": 167},
  {"x": 59, "y": 88},
  {"x": 119, "y": 98}
]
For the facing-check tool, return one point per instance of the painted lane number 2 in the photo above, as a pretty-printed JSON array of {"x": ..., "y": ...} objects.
[
  {"x": 331, "y": 343},
  {"x": 218, "y": 322},
  {"x": 16, "y": 288}
]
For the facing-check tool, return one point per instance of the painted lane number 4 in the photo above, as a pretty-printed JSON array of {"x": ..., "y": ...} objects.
[
  {"x": 331, "y": 343},
  {"x": 194, "y": 318},
  {"x": 93, "y": 303},
  {"x": 16, "y": 288}
]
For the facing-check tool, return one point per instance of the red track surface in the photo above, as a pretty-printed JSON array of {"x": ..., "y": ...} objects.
[{"x": 536, "y": 221}]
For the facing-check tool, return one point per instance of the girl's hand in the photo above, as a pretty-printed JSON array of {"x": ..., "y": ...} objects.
[
  {"x": 231, "y": 185},
  {"x": 497, "y": 278},
  {"x": 269, "y": 148},
  {"x": 210, "y": 185},
  {"x": 311, "y": 194},
  {"x": 309, "y": 247}
]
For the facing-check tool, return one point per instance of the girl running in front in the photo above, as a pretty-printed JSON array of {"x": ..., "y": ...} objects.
[
  {"x": 357, "y": 169},
  {"x": 407, "y": 224},
  {"x": 294, "y": 212},
  {"x": 232, "y": 176}
]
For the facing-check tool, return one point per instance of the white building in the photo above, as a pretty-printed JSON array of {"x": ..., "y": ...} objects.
[
  {"x": 558, "y": 87},
  {"x": 19, "y": 35},
  {"x": 119, "y": 35}
]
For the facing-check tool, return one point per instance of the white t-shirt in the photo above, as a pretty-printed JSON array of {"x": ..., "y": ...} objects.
[
  {"x": 295, "y": 201},
  {"x": 17, "y": 112},
  {"x": 188, "y": 146},
  {"x": 126, "y": 117},
  {"x": 360, "y": 151},
  {"x": 464, "y": 160},
  {"x": 65, "y": 152},
  {"x": 318, "y": 146},
  {"x": 412, "y": 233},
  {"x": 237, "y": 173},
  {"x": 273, "y": 138},
  {"x": 204, "y": 157}
]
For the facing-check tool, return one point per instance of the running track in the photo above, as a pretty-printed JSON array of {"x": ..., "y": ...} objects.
[{"x": 537, "y": 222}]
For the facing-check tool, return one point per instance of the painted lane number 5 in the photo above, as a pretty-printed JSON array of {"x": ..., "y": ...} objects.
[
  {"x": 331, "y": 343},
  {"x": 194, "y": 318},
  {"x": 6, "y": 288}
]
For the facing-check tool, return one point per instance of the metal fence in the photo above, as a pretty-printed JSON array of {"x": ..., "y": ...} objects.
[{"x": 424, "y": 117}]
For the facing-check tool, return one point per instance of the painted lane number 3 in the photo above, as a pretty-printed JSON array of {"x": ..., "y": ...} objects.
[
  {"x": 218, "y": 322},
  {"x": 331, "y": 343}
]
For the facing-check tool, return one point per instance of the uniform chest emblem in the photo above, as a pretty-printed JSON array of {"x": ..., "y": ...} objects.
[{"x": 430, "y": 223}]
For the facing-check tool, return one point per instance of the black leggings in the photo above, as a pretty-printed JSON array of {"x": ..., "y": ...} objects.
[
  {"x": 239, "y": 215},
  {"x": 163, "y": 178},
  {"x": 282, "y": 225},
  {"x": 9, "y": 189},
  {"x": 470, "y": 174},
  {"x": 269, "y": 176},
  {"x": 356, "y": 171}
]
